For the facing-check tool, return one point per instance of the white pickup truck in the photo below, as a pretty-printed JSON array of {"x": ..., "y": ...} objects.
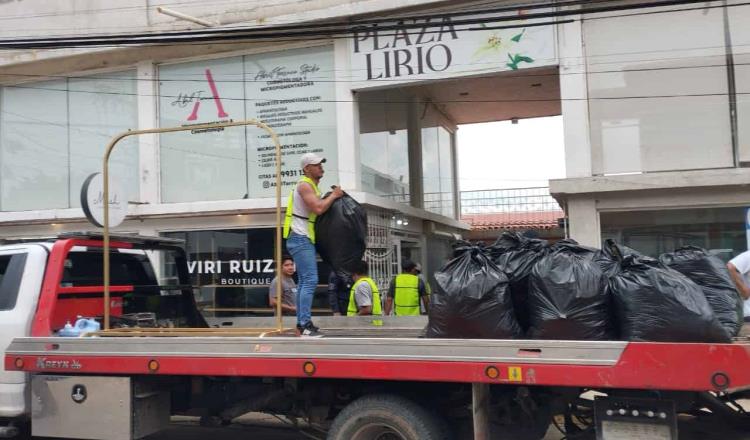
[{"x": 72, "y": 270}]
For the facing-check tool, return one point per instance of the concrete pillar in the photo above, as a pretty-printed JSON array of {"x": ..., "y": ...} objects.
[
  {"x": 583, "y": 221},
  {"x": 148, "y": 163},
  {"x": 347, "y": 120},
  {"x": 574, "y": 95},
  {"x": 414, "y": 129}
]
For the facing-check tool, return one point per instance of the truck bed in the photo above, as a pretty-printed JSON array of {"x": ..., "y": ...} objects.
[{"x": 357, "y": 353}]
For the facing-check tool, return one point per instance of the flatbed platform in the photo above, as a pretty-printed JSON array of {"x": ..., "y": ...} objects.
[{"x": 589, "y": 364}]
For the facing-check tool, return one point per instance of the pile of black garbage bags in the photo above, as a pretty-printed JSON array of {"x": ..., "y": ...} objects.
[{"x": 523, "y": 287}]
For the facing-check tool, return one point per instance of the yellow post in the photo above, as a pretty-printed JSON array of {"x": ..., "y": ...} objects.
[{"x": 105, "y": 176}]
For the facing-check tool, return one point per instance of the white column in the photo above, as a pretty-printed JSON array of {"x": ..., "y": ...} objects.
[
  {"x": 574, "y": 95},
  {"x": 583, "y": 221},
  {"x": 148, "y": 147},
  {"x": 347, "y": 120}
]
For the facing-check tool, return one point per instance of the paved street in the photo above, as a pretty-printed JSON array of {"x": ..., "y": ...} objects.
[{"x": 268, "y": 428}]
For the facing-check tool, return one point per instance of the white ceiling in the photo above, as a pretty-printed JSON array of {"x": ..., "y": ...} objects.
[{"x": 528, "y": 93}]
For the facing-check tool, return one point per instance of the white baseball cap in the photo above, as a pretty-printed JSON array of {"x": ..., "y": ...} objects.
[{"x": 311, "y": 159}]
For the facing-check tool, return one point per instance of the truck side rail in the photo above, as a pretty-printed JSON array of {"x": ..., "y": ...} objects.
[{"x": 590, "y": 364}]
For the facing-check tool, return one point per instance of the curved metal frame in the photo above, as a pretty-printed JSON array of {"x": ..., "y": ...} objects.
[{"x": 105, "y": 175}]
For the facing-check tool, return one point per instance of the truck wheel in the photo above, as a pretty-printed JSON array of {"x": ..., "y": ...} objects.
[{"x": 386, "y": 417}]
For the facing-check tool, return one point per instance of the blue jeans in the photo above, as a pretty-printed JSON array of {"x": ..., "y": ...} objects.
[{"x": 303, "y": 254}]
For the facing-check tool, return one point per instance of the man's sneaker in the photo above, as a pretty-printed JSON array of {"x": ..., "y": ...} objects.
[{"x": 309, "y": 331}]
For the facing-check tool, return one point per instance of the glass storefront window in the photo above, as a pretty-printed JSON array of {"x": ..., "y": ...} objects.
[
  {"x": 232, "y": 269},
  {"x": 720, "y": 230},
  {"x": 437, "y": 170},
  {"x": 385, "y": 164},
  {"x": 202, "y": 165},
  {"x": 101, "y": 107},
  {"x": 384, "y": 144},
  {"x": 289, "y": 90},
  {"x": 293, "y": 93},
  {"x": 740, "y": 36},
  {"x": 445, "y": 143},
  {"x": 658, "y": 95},
  {"x": 53, "y": 135},
  {"x": 34, "y": 146}
]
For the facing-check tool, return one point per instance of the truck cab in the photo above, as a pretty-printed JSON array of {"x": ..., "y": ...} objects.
[
  {"x": 45, "y": 285},
  {"x": 21, "y": 275}
]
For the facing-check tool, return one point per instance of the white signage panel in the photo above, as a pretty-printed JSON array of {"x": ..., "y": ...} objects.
[
  {"x": 92, "y": 201},
  {"x": 292, "y": 92},
  {"x": 425, "y": 49}
]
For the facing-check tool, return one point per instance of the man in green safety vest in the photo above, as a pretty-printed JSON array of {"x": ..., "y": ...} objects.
[
  {"x": 303, "y": 207},
  {"x": 364, "y": 298},
  {"x": 405, "y": 291}
]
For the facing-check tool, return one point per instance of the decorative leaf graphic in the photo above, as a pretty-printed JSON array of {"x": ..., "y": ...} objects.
[
  {"x": 523, "y": 59},
  {"x": 517, "y": 38}
]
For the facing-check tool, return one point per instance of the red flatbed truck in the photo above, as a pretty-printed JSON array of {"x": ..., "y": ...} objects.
[{"x": 125, "y": 383}]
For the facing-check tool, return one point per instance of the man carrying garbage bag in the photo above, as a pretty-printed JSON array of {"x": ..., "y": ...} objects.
[
  {"x": 406, "y": 290},
  {"x": 302, "y": 209}
]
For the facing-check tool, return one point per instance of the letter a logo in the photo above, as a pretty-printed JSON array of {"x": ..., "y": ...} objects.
[{"x": 217, "y": 100}]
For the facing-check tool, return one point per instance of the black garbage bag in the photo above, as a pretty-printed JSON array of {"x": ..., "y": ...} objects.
[
  {"x": 568, "y": 298},
  {"x": 341, "y": 233},
  {"x": 711, "y": 274},
  {"x": 471, "y": 299},
  {"x": 571, "y": 246},
  {"x": 516, "y": 255},
  {"x": 611, "y": 255},
  {"x": 656, "y": 303}
]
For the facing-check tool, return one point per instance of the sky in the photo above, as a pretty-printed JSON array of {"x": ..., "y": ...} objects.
[{"x": 497, "y": 155}]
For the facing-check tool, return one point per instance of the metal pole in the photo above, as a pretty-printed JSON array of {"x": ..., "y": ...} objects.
[
  {"x": 480, "y": 397},
  {"x": 105, "y": 187}
]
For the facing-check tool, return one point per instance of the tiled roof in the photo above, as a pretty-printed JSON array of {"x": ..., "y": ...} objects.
[{"x": 513, "y": 220}]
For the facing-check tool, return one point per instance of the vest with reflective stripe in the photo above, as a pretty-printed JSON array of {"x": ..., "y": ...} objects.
[
  {"x": 376, "y": 307},
  {"x": 290, "y": 211},
  {"x": 406, "y": 295}
]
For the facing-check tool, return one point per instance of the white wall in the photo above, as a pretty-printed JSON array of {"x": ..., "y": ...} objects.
[{"x": 35, "y": 18}]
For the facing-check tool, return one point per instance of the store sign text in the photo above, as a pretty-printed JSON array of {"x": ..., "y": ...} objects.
[
  {"x": 406, "y": 51},
  {"x": 231, "y": 266}
]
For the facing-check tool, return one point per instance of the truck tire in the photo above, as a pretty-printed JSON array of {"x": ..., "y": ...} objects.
[{"x": 386, "y": 417}]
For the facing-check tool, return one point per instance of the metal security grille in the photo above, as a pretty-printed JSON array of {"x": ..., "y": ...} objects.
[{"x": 381, "y": 254}]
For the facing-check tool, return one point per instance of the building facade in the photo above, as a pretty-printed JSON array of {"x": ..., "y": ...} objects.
[
  {"x": 656, "y": 123},
  {"x": 658, "y": 148}
]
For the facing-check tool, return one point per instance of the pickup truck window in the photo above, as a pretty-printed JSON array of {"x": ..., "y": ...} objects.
[
  {"x": 11, "y": 272},
  {"x": 85, "y": 269}
]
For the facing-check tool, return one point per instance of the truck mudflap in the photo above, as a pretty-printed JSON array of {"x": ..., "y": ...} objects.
[{"x": 603, "y": 364}]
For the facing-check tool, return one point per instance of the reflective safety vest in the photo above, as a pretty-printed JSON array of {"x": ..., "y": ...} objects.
[
  {"x": 376, "y": 306},
  {"x": 406, "y": 295},
  {"x": 290, "y": 211}
]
